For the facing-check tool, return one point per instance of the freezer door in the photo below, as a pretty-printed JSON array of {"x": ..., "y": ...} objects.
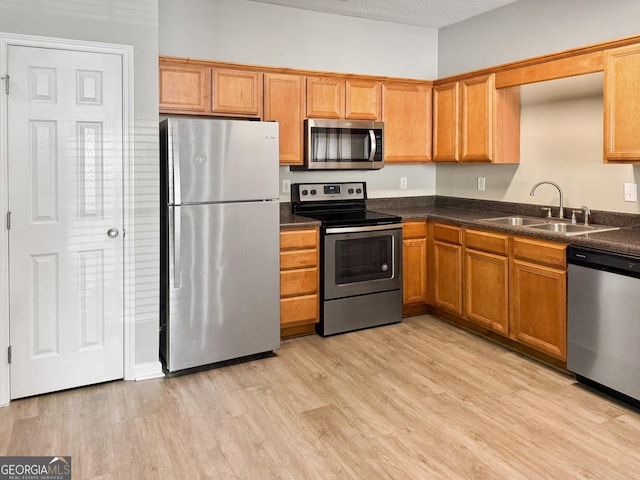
[
  {"x": 223, "y": 283},
  {"x": 215, "y": 160}
]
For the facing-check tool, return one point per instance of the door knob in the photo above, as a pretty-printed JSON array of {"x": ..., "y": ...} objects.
[{"x": 113, "y": 232}]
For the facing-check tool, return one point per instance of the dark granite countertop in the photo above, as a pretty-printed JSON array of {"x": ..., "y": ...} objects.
[
  {"x": 470, "y": 213},
  {"x": 289, "y": 220}
]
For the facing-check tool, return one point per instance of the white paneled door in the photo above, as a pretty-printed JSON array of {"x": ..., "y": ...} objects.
[{"x": 65, "y": 147}]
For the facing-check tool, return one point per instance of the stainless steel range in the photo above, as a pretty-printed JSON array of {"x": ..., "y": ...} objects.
[{"x": 361, "y": 256}]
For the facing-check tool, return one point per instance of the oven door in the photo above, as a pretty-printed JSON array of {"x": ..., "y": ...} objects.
[{"x": 362, "y": 260}]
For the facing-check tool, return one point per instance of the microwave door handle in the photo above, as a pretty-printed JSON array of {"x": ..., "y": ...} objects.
[{"x": 372, "y": 139}]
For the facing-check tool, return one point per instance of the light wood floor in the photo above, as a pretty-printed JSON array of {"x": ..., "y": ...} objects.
[{"x": 418, "y": 400}]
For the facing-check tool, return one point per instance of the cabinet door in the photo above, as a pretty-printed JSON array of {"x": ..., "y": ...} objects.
[
  {"x": 237, "y": 93},
  {"x": 476, "y": 122},
  {"x": 406, "y": 113},
  {"x": 414, "y": 263},
  {"x": 325, "y": 97},
  {"x": 622, "y": 105},
  {"x": 487, "y": 290},
  {"x": 184, "y": 88},
  {"x": 363, "y": 98},
  {"x": 447, "y": 277},
  {"x": 284, "y": 103},
  {"x": 414, "y": 270},
  {"x": 446, "y": 123},
  {"x": 539, "y": 308}
]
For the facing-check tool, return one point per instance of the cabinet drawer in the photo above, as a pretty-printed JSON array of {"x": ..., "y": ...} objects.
[
  {"x": 487, "y": 242},
  {"x": 540, "y": 251},
  {"x": 298, "y": 259},
  {"x": 414, "y": 230},
  {"x": 298, "y": 282},
  {"x": 447, "y": 233},
  {"x": 290, "y": 239},
  {"x": 299, "y": 309}
]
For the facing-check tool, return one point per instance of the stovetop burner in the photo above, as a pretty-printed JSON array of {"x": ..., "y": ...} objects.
[{"x": 337, "y": 204}]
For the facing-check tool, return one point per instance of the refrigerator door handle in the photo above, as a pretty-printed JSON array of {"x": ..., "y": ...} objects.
[
  {"x": 174, "y": 151},
  {"x": 175, "y": 220}
]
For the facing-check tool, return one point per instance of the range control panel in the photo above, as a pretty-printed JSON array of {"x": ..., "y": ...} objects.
[{"x": 326, "y": 192}]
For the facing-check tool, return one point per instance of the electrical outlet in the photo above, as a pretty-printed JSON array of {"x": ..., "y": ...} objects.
[
  {"x": 481, "y": 183},
  {"x": 286, "y": 186},
  {"x": 403, "y": 183},
  {"x": 630, "y": 192}
]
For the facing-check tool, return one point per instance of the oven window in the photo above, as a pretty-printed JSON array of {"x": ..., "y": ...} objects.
[{"x": 364, "y": 259}]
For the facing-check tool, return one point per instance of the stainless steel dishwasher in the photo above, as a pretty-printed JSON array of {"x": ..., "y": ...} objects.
[{"x": 603, "y": 315}]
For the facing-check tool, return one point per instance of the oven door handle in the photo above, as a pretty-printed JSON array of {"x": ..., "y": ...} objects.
[
  {"x": 372, "y": 139},
  {"x": 370, "y": 228}
]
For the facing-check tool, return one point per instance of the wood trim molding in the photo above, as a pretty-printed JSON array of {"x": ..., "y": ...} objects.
[
  {"x": 567, "y": 63},
  {"x": 293, "y": 71},
  {"x": 588, "y": 59}
]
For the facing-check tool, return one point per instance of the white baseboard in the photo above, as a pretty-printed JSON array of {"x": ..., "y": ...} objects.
[{"x": 146, "y": 371}]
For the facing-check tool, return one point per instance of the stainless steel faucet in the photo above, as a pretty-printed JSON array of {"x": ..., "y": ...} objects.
[
  {"x": 533, "y": 190},
  {"x": 587, "y": 212}
]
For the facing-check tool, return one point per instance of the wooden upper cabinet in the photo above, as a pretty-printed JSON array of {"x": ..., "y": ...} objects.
[
  {"x": 284, "y": 103},
  {"x": 406, "y": 113},
  {"x": 325, "y": 97},
  {"x": 476, "y": 119},
  {"x": 475, "y": 122},
  {"x": 334, "y": 97},
  {"x": 184, "y": 88},
  {"x": 363, "y": 99},
  {"x": 237, "y": 93},
  {"x": 622, "y": 104},
  {"x": 446, "y": 122}
]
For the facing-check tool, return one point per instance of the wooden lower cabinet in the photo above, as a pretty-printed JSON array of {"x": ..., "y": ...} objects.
[
  {"x": 446, "y": 267},
  {"x": 539, "y": 296},
  {"x": 414, "y": 263},
  {"x": 513, "y": 286},
  {"x": 486, "y": 299},
  {"x": 486, "y": 280},
  {"x": 299, "y": 281}
]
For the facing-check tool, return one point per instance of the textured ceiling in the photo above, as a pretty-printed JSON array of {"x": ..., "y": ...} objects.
[{"x": 423, "y": 13}]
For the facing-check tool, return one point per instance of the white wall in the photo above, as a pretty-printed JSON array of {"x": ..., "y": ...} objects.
[
  {"x": 255, "y": 33},
  {"x": 561, "y": 140},
  {"x": 132, "y": 23},
  {"x": 529, "y": 28}
]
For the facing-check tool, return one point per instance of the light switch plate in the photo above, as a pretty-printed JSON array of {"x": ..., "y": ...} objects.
[{"x": 630, "y": 192}]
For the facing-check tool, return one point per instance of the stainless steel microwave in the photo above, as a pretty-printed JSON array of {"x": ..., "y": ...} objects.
[{"x": 342, "y": 145}]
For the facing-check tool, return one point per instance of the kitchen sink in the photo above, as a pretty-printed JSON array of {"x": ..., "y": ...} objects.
[
  {"x": 555, "y": 225},
  {"x": 571, "y": 229},
  {"x": 516, "y": 221}
]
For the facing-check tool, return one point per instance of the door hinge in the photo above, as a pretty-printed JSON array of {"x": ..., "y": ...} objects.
[
  {"x": 9, "y": 220},
  {"x": 6, "y": 83},
  {"x": 9, "y": 354}
]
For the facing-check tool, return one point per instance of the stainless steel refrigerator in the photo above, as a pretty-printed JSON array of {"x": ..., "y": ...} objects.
[{"x": 220, "y": 259}]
